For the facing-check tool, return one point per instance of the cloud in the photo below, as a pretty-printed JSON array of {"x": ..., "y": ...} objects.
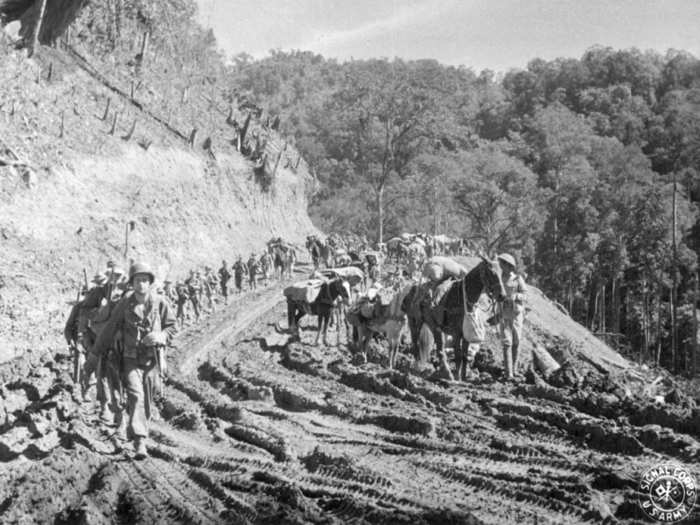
[{"x": 402, "y": 18}]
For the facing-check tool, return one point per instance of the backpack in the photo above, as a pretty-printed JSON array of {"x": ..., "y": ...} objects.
[{"x": 473, "y": 326}]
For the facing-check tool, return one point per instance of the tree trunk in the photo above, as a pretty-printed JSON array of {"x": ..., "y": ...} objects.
[
  {"x": 644, "y": 350},
  {"x": 37, "y": 28},
  {"x": 380, "y": 213},
  {"x": 615, "y": 306},
  {"x": 571, "y": 298},
  {"x": 144, "y": 48},
  {"x": 118, "y": 17},
  {"x": 436, "y": 212},
  {"x": 674, "y": 343},
  {"x": 593, "y": 300},
  {"x": 601, "y": 326},
  {"x": 674, "y": 290},
  {"x": 694, "y": 341},
  {"x": 658, "y": 332}
]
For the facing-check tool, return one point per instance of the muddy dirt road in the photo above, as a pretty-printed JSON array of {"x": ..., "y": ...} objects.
[{"x": 253, "y": 430}]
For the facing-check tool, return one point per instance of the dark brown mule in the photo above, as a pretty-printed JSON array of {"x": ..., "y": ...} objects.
[
  {"x": 322, "y": 307},
  {"x": 447, "y": 316}
]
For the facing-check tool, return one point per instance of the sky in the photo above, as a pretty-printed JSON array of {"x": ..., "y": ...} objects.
[{"x": 481, "y": 34}]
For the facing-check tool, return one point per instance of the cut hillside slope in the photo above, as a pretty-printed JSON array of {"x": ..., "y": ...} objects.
[{"x": 70, "y": 212}]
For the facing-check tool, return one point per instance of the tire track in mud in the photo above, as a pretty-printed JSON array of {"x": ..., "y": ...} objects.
[
  {"x": 330, "y": 482},
  {"x": 230, "y": 329},
  {"x": 296, "y": 433}
]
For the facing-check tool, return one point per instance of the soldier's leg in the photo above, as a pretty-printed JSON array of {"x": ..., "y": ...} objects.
[
  {"x": 136, "y": 398},
  {"x": 89, "y": 373},
  {"x": 443, "y": 365},
  {"x": 195, "y": 307},
  {"x": 506, "y": 329},
  {"x": 104, "y": 390},
  {"x": 517, "y": 331}
]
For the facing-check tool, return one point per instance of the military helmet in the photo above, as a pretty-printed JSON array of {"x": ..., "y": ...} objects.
[
  {"x": 507, "y": 258},
  {"x": 140, "y": 267}
]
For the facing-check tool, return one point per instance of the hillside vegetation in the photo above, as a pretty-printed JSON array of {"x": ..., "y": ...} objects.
[{"x": 568, "y": 163}]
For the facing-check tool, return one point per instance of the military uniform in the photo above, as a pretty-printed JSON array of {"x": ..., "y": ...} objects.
[
  {"x": 239, "y": 271},
  {"x": 224, "y": 277},
  {"x": 252, "y": 272},
  {"x": 194, "y": 291},
  {"x": 182, "y": 296},
  {"x": 266, "y": 266},
  {"x": 210, "y": 283},
  {"x": 511, "y": 314},
  {"x": 94, "y": 313},
  {"x": 136, "y": 320}
]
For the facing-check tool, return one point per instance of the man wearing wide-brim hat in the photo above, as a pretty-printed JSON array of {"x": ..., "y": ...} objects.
[
  {"x": 93, "y": 315},
  {"x": 511, "y": 314},
  {"x": 146, "y": 323},
  {"x": 99, "y": 279}
]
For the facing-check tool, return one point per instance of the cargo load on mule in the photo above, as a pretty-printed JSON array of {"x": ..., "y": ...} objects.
[
  {"x": 304, "y": 291},
  {"x": 371, "y": 304},
  {"x": 352, "y": 274},
  {"x": 438, "y": 269}
]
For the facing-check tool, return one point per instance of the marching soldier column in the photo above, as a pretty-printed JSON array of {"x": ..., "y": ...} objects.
[{"x": 117, "y": 332}]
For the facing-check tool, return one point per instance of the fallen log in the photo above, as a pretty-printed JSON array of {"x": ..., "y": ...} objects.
[{"x": 543, "y": 361}]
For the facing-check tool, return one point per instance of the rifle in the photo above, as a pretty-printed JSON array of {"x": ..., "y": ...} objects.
[
  {"x": 162, "y": 367},
  {"x": 75, "y": 352}
]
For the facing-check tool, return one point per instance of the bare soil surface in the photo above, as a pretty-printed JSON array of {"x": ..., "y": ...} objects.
[{"x": 255, "y": 429}]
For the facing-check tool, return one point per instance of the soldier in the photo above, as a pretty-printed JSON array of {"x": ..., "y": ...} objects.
[
  {"x": 224, "y": 278},
  {"x": 194, "y": 292},
  {"x": 147, "y": 326},
  {"x": 169, "y": 292},
  {"x": 252, "y": 271},
  {"x": 72, "y": 331},
  {"x": 239, "y": 271},
  {"x": 181, "y": 301},
  {"x": 95, "y": 312},
  {"x": 511, "y": 314},
  {"x": 266, "y": 266},
  {"x": 210, "y": 285},
  {"x": 206, "y": 290}
]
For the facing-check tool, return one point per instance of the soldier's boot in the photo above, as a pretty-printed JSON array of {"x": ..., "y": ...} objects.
[
  {"x": 106, "y": 415},
  {"x": 140, "y": 451}
]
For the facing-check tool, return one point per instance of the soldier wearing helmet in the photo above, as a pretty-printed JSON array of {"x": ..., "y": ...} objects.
[
  {"x": 240, "y": 270},
  {"x": 252, "y": 271},
  {"x": 511, "y": 314},
  {"x": 146, "y": 323}
]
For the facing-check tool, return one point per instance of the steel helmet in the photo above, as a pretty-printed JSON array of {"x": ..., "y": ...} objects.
[
  {"x": 507, "y": 258},
  {"x": 140, "y": 267}
]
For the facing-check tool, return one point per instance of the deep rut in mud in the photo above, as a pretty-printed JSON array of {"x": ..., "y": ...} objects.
[{"x": 256, "y": 430}]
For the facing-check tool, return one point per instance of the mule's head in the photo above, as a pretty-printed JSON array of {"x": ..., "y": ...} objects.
[
  {"x": 339, "y": 288},
  {"x": 492, "y": 278}
]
